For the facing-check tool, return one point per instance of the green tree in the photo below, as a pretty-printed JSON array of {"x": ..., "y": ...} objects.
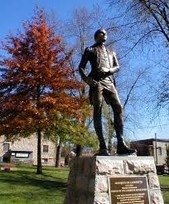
[{"x": 70, "y": 130}]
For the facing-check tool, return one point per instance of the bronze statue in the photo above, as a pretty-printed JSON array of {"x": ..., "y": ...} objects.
[{"x": 101, "y": 81}]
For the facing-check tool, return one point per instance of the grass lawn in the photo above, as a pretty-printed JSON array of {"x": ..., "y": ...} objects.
[
  {"x": 24, "y": 186},
  {"x": 164, "y": 182}
]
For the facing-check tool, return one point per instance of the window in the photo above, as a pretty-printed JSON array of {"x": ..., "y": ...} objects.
[
  {"x": 159, "y": 151},
  {"x": 45, "y": 148},
  {"x": 5, "y": 147},
  {"x": 21, "y": 155}
]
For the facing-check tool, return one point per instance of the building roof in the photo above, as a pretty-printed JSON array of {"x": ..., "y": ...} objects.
[{"x": 151, "y": 140}]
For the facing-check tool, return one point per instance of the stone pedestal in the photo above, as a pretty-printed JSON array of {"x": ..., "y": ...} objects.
[{"x": 88, "y": 181}]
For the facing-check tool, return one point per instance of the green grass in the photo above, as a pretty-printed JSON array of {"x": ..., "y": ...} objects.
[
  {"x": 24, "y": 186},
  {"x": 164, "y": 183}
]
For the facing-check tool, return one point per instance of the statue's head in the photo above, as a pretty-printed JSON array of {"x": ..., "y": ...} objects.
[{"x": 100, "y": 36}]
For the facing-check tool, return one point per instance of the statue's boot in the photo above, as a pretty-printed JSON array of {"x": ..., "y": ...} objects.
[
  {"x": 102, "y": 152},
  {"x": 122, "y": 148}
]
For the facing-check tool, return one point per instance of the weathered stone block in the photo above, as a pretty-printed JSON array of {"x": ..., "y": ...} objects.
[
  {"x": 109, "y": 167},
  {"x": 88, "y": 181},
  {"x": 156, "y": 197},
  {"x": 101, "y": 184},
  {"x": 153, "y": 181},
  {"x": 144, "y": 166},
  {"x": 102, "y": 198}
]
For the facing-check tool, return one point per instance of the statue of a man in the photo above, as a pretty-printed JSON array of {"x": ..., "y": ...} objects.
[{"x": 101, "y": 81}]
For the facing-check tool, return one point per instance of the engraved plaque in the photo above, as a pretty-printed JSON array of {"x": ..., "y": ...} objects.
[{"x": 129, "y": 190}]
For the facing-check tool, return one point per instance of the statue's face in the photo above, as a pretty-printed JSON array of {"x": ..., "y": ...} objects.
[{"x": 101, "y": 37}]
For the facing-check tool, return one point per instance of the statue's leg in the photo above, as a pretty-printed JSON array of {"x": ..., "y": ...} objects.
[
  {"x": 98, "y": 126},
  {"x": 97, "y": 99},
  {"x": 115, "y": 103}
]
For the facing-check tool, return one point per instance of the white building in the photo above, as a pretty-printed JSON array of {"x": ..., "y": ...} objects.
[{"x": 24, "y": 150}]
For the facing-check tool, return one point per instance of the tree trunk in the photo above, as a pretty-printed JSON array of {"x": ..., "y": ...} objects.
[
  {"x": 78, "y": 150},
  {"x": 39, "y": 161},
  {"x": 110, "y": 134},
  {"x": 58, "y": 154}
]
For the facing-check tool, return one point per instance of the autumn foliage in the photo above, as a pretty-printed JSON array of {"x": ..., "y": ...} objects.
[{"x": 36, "y": 81}]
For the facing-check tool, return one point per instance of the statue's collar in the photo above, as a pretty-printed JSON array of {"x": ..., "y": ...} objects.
[{"x": 100, "y": 44}]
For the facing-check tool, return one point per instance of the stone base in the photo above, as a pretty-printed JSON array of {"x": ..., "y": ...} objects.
[{"x": 88, "y": 178}]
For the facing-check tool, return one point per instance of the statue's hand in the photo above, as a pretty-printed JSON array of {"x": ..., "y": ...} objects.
[
  {"x": 114, "y": 69},
  {"x": 111, "y": 71},
  {"x": 91, "y": 82}
]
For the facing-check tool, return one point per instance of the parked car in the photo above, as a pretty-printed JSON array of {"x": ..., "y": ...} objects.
[{"x": 162, "y": 169}]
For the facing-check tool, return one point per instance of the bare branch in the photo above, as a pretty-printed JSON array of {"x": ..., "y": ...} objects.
[{"x": 132, "y": 88}]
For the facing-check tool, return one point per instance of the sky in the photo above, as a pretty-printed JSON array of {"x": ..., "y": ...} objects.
[{"x": 14, "y": 12}]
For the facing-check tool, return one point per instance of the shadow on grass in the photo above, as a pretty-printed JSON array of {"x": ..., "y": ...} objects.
[{"x": 23, "y": 178}]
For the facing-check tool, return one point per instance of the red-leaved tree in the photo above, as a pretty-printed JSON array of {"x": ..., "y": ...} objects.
[{"x": 36, "y": 82}]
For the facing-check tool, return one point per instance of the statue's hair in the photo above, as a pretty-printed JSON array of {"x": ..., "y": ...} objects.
[{"x": 99, "y": 31}]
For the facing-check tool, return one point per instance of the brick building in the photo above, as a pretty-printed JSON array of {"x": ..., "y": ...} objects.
[{"x": 152, "y": 147}]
